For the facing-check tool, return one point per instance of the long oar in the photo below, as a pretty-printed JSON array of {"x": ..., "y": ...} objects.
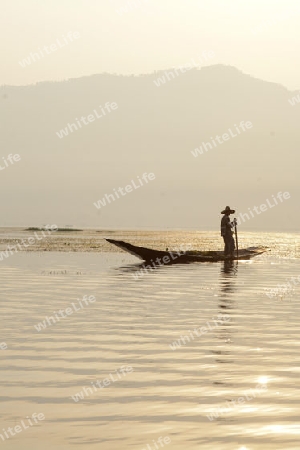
[{"x": 236, "y": 238}]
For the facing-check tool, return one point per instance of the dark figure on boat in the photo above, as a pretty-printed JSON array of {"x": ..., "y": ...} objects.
[{"x": 226, "y": 231}]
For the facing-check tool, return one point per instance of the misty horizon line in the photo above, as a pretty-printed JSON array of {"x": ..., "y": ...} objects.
[
  {"x": 144, "y": 228},
  {"x": 149, "y": 74}
]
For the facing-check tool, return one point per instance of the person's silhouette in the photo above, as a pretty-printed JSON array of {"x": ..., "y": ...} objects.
[{"x": 226, "y": 231}]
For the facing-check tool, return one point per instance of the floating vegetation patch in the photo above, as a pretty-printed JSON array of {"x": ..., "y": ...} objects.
[{"x": 45, "y": 229}]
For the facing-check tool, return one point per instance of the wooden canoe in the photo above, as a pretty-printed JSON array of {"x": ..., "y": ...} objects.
[{"x": 169, "y": 257}]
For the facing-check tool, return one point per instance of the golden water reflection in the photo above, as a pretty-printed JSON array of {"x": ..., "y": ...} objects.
[{"x": 170, "y": 392}]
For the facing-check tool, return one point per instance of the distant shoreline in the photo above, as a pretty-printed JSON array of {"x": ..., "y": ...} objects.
[{"x": 146, "y": 229}]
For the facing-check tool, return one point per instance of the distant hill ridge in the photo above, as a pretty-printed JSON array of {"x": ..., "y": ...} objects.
[{"x": 154, "y": 129}]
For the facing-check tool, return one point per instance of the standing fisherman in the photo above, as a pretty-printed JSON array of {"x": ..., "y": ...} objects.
[{"x": 226, "y": 231}]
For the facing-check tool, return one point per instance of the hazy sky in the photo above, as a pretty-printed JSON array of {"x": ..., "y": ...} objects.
[
  {"x": 154, "y": 128},
  {"x": 150, "y": 35}
]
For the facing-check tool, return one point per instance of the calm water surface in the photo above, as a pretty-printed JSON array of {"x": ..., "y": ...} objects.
[{"x": 168, "y": 393}]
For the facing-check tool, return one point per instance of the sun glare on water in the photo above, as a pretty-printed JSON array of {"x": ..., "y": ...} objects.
[{"x": 263, "y": 380}]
